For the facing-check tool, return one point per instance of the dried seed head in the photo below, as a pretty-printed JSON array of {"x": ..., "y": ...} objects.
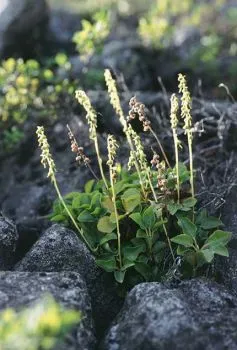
[
  {"x": 80, "y": 155},
  {"x": 46, "y": 157},
  {"x": 91, "y": 116},
  {"x": 138, "y": 109},
  {"x": 174, "y": 111},
  {"x": 185, "y": 103}
]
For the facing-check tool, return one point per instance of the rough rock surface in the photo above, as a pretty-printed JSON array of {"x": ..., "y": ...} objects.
[
  {"x": 19, "y": 289},
  {"x": 59, "y": 249},
  {"x": 226, "y": 268},
  {"x": 8, "y": 241},
  {"x": 199, "y": 314},
  {"x": 19, "y": 17}
]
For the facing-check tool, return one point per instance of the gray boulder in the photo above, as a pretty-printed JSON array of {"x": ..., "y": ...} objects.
[
  {"x": 59, "y": 249},
  {"x": 19, "y": 17},
  {"x": 20, "y": 289},
  {"x": 8, "y": 242},
  {"x": 197, "y": 315}
]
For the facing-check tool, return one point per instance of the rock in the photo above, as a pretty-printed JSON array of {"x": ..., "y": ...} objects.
[
  {"x": 20, "y": 289},
  {"x": 8, "y": 241},
  {"x": 59, "y": 249},
  {"x": 18, "y": 19},
  {"x": 226, "y": 268},
  {"x": 199, "y": 314}
]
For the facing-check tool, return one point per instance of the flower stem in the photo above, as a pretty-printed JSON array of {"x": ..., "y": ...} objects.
[
  {"x": 161, "y": 147},
  {"x": 176, "y": 162}
]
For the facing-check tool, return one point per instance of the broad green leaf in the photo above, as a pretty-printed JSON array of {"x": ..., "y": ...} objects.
[
  {"x": 141, "y": 234},
  {"x": 109, "y": 237},
  {"x": 108, "y": 264},
  {"x": 113, "y": 219},
  {"x": 211, "y": 222},
  {"x": 183, "y": 239},
  {"x": 59, "y": 218},
  {"x": 148, "y": 218},
  {"x": 85, "y": 216},
  {"x": 206, "y": 254},
  {"x": 137, "y": 217},
  {"x": 89, "y": 186},
  {"x": 221, "y": 250},
  {"x": 184, "y": 174},
  {"x": 76, "y": 202},
  {"x": 173, "y": 208},
  {"x": 127, "y": 264},
  {"x": 131, "y": 253},
  {"x": 108, "y": 204},
  {"x": 105, "y": 225},
  {"x": 119, "y": 276},
  {"x": 187, "y": 226},
  {"x": 131, "y": 199},
  {"x": 144, "y": 270},
  {"x": 189, "y": 202},
  {"x": 218, "y": 238},
  {"x": 96, "y": 199}
]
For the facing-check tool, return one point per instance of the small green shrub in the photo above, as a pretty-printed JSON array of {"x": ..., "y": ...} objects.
[
  {"x": 39, "y": 327},
  {"x": 214, "y": 23},
  {"x": 29, "y": 90},
  {"x": 137, "y": 223},
  {"x": 90, "y": 39}
]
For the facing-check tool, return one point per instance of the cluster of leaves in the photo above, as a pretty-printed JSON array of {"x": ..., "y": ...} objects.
[
  {"x": 145, "y": 250},
  {"x": 29, "y": 90},
  {"x": 41, "y": 326},
  {"x": 89, "y": 40},
  {"x": 213, "y": 21}
]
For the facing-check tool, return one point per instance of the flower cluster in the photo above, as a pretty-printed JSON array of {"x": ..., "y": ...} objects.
[
  {"x": 46, "y": 157},
  {"x": 113, "y": 94},
  {"x": 185, "y": 103},
  {"x": 138, "y": 153},
  {"x": 138, "y": 109},
  {"x": 174, "y": 102},
  {"x": 112, "y": 150},
  {"x": 91, "y": 116}
]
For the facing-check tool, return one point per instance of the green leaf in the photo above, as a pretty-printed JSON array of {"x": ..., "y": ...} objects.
[
  {"x": 89, "y": 186},
  {"x": 108, "y": 204},
  {"x": 131, "y": 253},
  {"x": 184, "y": 174},
  {"x": 105, "y": 225},
  {"x": 127, "y": 264},
  {"x": 85, "y": 216},
  {"x": 131, "y": 199},
  {"x": 211, "y": 222},
  {"x": 96, "y": 199},
  {"x": 221, "y": 250},
  {"x": 113, "y": 219},
  {"x": 218, "y": 238},
  {"x": 183, "y": 239},
  {"x": 148, "y": 218},
  {"x": 108, "y": 237},
  {"x": 141, "y": 234},
  {"x": 137, "y": 217},
  {"x": 144, "y": 270},
  {"x": 173, "y": 208},
  {"x": 108, "y": 264},
  {"x": 189, "y": 202},
  {"x": 187, "y": 226},
  {"x": 158, "y": 246},
  {"x": 206, "y": 254},
  {"x": 119, "y": 276},
  {"x": 58, "y": 218}
]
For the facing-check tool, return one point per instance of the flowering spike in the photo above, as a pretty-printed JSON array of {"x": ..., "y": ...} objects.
[{"x": 46, "y": 157}]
